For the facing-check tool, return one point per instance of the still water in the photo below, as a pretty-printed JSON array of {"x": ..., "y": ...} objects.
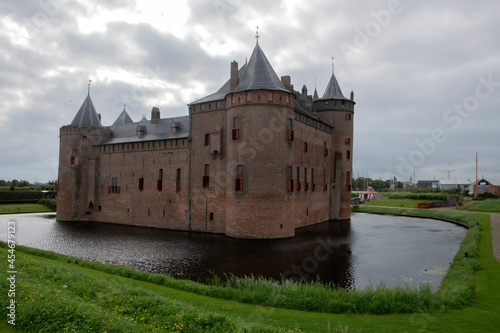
[{"x": 368, "y": 249}]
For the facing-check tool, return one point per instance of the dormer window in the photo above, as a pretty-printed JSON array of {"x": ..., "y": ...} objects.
[
  {"x": 139, "y": 130},
  {"x": 174, "y": 127}
]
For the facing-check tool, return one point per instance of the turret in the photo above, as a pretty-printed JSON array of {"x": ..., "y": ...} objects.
[
  {"x": 76, "y": 196},
  {"x": 338, "y": 110},
  {"x": 258, "y": 152}
]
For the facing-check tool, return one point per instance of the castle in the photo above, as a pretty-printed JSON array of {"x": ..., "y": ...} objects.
[{"x": 256, "y": 159}]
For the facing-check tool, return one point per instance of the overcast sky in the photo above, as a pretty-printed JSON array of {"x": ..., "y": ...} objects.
[{"x": 426, "y": 74}]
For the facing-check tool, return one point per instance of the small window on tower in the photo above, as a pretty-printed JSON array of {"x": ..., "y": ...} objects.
[
  {"x": 238, "y": 186},
  {"x": 236, "y": 128},
  {"x": 207, "y": 139},
  {"x": 114, "y": 186},
  {"x": 178, "y": 181},
  {"x": 289, "y": 176},
  {"x": 159, "y": 185},
  {"x": 289, "y": 125},
  {"x": 206, "y": 176},
  {"x": 74, "y": 156}
]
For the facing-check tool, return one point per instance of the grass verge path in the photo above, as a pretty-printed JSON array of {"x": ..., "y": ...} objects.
[{"x": 495, "y": 235}]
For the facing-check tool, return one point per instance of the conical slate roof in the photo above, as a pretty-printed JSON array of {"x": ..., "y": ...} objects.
[
  {"x": 259, "y": 74},
  {"x": 333, "y": 90},
  {"x": 315, "y": 96},
  {"x": 123, "y": 118},
  {"x": 86, "y": 115}
]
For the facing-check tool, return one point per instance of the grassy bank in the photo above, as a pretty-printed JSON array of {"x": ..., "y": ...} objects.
[
  {"x": 407, "y": 203},
  {"x": 378, "y": 210},
  {"x": 490, "y": 205},
  {"x": 55, "y": 288},
  {"x": 57, "y": 297},
  {"x": 24, "y": 208}
]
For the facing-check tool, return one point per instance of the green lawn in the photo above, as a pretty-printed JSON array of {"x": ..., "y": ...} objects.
[
  {"x": 467, "y": 205},
  {"x": 53, "y": 295},
  {"x": 489, "y": 206},
  {"x": 406, "y": 203},
  {"x": 23, "y": 208}
]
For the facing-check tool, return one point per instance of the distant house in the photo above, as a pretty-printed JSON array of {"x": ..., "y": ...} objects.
[
  {"x": 428, "y": 184},
  {"x": 485, "y": 185},
  {"x": 370, "y": 195},
  {"x": 449, "y": 184}
]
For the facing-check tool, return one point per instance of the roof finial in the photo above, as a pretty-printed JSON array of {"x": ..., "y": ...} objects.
[
  {"x": 332, "y": 65},
  {"x": 257, "y": 35},
  {"x": 88, "y": 92}
]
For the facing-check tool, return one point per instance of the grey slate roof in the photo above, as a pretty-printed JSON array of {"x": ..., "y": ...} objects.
[
  {"x": 161, "y": 130},
  {"x": 123, "y": 118},
  {"x": 259, "y": 74},
  {"x": 256, "y": 74},
  {"x": 86, "y": 115},
  {"x": 315, "y": 96},
  {"x": 333, "y": 90}
]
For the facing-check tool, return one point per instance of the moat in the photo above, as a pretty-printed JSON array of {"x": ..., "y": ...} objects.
[{"x": 368, "y": 249}]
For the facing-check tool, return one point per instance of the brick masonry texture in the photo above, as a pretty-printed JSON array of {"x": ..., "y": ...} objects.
[{"x": 279, "y": 166}]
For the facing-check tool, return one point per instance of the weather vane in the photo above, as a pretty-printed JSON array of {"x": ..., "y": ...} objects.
[
  {"x": 332, "y": 65},
  {"x": 257, "y": 35},
  {"x": 90, "y": 81}
]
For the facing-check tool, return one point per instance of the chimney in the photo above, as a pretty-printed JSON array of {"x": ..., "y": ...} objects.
[
  {"x": 234, "y": 76},
  {"x": 287, "y": 82},
  {"x": 155, "y": 115},
  {"x": 99, "y": 116},
  {"x": 352, "y": 95}
]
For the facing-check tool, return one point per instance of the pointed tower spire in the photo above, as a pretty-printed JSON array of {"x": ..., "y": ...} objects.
[
  {"x": 333, "y": 90},
  {"x": 259, "y": 74},
  {"x": 86, "y": 115},
  {"x": 315, "y": 95}
]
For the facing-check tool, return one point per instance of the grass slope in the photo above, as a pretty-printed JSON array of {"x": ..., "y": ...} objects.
[
  {"x": 57, "y": 294},
  {"x": 407, "y": 203},
  {"x": 23, "y": 208},
  {"x": 489, "y": 205}
]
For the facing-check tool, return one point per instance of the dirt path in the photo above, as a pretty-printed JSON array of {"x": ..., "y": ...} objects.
[{"x": 495, "y": 235}]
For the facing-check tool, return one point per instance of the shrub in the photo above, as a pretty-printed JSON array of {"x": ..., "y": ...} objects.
[
  {"x": 487, "y": 195},
  {"x": 7, "y": 197},
  {"x": 51, "y": 203}
]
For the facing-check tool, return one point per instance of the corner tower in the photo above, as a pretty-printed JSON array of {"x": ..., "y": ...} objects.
[
  {"x": 77, "y": 163},
  {"x": 259, "y": 153},
  {"x": 338, "y": 110}
]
